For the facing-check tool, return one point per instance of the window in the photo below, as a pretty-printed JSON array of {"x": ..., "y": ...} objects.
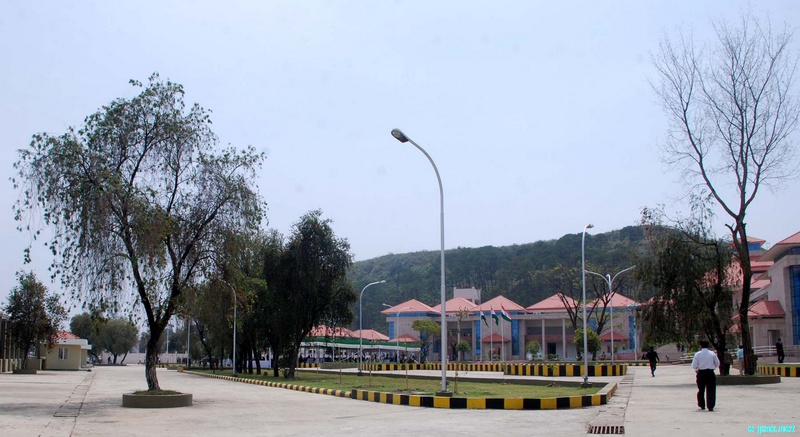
[
  {"x": 794, "y": 286},
  {"x": 63, "y": 353}
]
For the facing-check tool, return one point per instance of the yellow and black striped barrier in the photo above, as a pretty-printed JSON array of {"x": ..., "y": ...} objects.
[
  {"x": 308, "y": 365},
  {"x": 556, "y": 370},
  {"x": 787, "y": 370},
  {"x": 303, "y": 388},
  {"x": 557, "y": 403}
]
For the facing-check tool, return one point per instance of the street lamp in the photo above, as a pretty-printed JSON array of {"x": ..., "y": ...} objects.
[
  {"x": 583, "y": 280},
  {"x": 397, "y": 328},
  {"x": 169, "y": 326},
  {"x": 610, "y": 280},
  {"x": 233, "y": 364},
  {"x": 188, "y": 339},
  {"x": 361, "y": 326},
  {"x": 400, "y": 136}
]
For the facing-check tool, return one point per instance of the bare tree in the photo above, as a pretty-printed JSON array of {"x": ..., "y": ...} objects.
[{"x": 732, "y": 110}]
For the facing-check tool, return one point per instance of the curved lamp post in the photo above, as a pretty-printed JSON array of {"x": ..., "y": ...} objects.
[
  {"x": 400, "y": 136},
  {"x": 585, "y": 328},
  {"x": 396, "y": 329},
  {"x": 361, "y": 325},
  {"x": 610, "y": 280}
]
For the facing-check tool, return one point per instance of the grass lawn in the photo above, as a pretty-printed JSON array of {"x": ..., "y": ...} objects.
[{"x": 351, "y": 381}]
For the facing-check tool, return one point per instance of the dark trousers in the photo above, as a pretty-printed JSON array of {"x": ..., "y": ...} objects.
[
  {"x": 706, "y": 389},
  {"x": 652, "y": 367}
]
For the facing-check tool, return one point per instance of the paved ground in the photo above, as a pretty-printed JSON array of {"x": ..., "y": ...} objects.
[{"x": 88, "y": 404}]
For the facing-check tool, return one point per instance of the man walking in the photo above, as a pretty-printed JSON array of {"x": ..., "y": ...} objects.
[
  {"x": 704, "y": 363},
  {"x": 779, "y": 351},
  {"x": 652, "y": 356}
]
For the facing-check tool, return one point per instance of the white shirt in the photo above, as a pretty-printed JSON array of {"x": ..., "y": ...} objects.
[{"x": 705, "y": 360}]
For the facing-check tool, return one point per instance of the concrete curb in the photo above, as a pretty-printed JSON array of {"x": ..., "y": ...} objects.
[
  {"x": 787, "y": 370},
  {"x": 557, "y": 403}
]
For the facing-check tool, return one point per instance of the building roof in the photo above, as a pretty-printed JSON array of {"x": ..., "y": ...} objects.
[
  {"x": 606, "y": 336},
  {"x": 760, "y": 266},
  {"x": 327, "y": 331},
  {"x": 619, "y": 301},
  {"x": 64, "y": 335},
  {"x": 781, "y": 247},
  {"x": 409, "y": 306},
  {"x": 497, "y": 302},
  {"x": 494, "y": 338},
  {"x": 455, "y": 305},
  {"x": 405, "y": 338},
  {"x": 552, "y": 303},
  {"x": 370, "y": 334},
  {"x": 764, "y": 309}
]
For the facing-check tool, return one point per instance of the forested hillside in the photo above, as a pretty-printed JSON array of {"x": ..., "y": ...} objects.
[{"x": 513, "y": 271}]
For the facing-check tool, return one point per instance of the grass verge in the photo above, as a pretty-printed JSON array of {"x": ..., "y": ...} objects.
[{"x": 466, "y": 389}]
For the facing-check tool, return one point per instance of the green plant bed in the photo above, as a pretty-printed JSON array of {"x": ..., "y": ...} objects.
[{"x": 424, "y": 386}]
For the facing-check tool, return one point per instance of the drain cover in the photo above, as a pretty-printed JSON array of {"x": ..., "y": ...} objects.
[{"x": 607, "y": 429}]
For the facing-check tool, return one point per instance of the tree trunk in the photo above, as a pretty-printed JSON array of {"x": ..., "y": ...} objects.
[
  {"x": 151, "y": 357},
  {"x": 744, "y": 306}
]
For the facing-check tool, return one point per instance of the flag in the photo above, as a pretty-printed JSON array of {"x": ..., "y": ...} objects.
[
  {"x": 496, "y": 319},
  {"x": 483, "y": 317},
  {"x": 504, "y": 313}
]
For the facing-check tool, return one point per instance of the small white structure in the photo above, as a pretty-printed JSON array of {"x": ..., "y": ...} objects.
[{"x": 69, "y": 353}]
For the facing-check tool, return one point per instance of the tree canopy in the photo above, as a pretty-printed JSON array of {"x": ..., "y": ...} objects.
[
  {"x": 307, "y": 286},
  {"x": 691, "y": 274},
  {"x": 138, "y": 199},
  {"x": 34, "y": 315}
]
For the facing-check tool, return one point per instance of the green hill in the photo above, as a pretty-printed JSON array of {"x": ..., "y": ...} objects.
[{"x": 507, "y": 270}]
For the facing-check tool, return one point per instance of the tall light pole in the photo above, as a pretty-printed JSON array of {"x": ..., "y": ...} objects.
[
  {"x": 397, "y": 328},
  {"x": 233, "y": 363},
  {"x": 585, "y": 327},
  {"x": 400, "y": 136},
  {"x": 361, "y": 325},
  {"x": 188, "y": 339},
  {"x": 610, "y": 280},
  {"x": 169, "y": 326}
]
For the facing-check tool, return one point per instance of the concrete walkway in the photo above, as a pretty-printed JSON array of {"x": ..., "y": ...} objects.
[
  {"x": 666, "y": 405},
  {"x": 88, "y": 404}
]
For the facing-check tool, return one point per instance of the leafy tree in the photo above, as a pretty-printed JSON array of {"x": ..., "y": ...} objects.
[
  {"x": 87, "y": 326},
  {"x": 118, "y": 337},
  {"x": 429, "y": 331},
  {"x": 691, "y": 273},
  {"x": 137, "y": 199},
  {"x": 461, "y": 347},
  {"x": 533, "y": 347},
  {"x": 34, "y": 315},
  {"x": 306, "y": 284},
  {"x": 592, "y": 342},
  {"x": 732, "y": 108}
]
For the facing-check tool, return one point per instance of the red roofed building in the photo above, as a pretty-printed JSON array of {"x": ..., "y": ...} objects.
[{"x": 775, "y": 298}]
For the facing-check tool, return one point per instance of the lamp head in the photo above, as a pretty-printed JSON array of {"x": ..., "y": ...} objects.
[
  {"x": 397, "y": 133},
  {"x": 589, "y": 226}
]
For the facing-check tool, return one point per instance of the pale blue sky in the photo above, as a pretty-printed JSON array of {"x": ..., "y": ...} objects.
[{"x": 539, "y": 115}]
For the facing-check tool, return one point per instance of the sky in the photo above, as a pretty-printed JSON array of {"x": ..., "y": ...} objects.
[{"x": 540, "y": 116}]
